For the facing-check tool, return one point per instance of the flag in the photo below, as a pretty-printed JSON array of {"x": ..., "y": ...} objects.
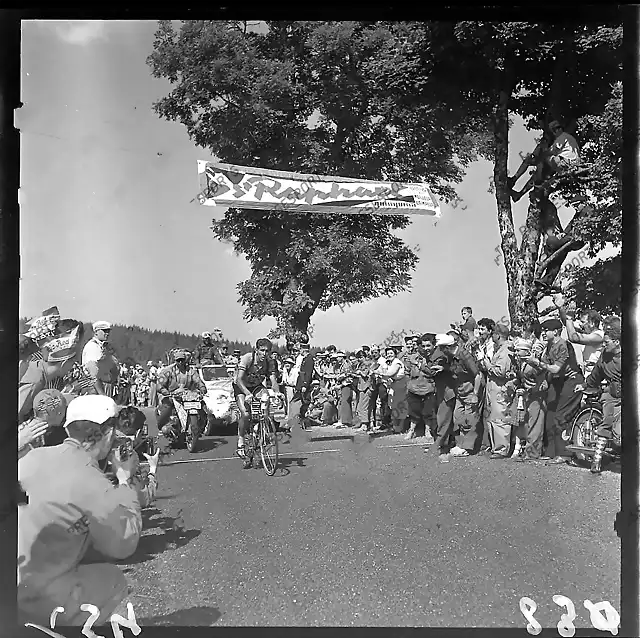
[{"x": 233, "y": 186}]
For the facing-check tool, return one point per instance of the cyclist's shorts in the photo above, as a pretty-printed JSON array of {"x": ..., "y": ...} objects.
[{"x": 237, "y": 391}]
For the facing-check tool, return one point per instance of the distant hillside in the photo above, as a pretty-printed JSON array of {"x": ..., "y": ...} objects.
[{"x": 139, "y": 345}]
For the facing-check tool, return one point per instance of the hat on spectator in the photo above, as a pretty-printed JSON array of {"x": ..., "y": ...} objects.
[
  {"x": 180, "y": 354},
  {"x": 289, "y": 360},
  {"x": 552, "y": 324},
  {"x": 428, "y": 336},
  {"x": 101, "y": 325},
  {"x": 315, "y": 382},
  {"x": 365, "y": 347},
  {"x": 445, "y": 340},
  {"x": 50, "y": 406},
  {"x": 86, "y": 414}
]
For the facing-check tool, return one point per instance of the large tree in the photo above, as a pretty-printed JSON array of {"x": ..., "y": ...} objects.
[
  {"x": 538, "y": 71},
  {"x": 313, "y": 97}
]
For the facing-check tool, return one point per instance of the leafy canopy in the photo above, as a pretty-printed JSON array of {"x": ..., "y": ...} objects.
[{"x": 320, "y": 97}]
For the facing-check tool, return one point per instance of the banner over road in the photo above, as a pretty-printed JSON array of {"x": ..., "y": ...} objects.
[{"x": 258, "y": 188}]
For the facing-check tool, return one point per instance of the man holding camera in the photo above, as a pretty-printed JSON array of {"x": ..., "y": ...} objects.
[{"x": 75, "y": 516}]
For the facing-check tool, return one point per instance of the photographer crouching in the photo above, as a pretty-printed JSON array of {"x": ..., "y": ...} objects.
[{"x": 74, "y": 518}]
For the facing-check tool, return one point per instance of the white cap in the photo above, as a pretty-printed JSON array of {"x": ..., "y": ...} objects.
[
  {"x": 445, "y": 340},
  {"x": 101, "y": 325},
  {"x": 93, "y": 407}
]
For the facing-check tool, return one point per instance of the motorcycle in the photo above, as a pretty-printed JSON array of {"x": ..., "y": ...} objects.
[
  {"x": 188, "y": 416},
  {"x": 583, "y": 435}
]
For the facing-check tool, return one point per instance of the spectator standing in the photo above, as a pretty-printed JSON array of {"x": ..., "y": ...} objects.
[
  {"x": 344, "y": 381},
  {"x": 482, "y": 348},
  {"x": 395, "y": 379},
  {"x": 99, "y": 360},
  {"x": 287, "y": 385},
  {"x": 589, "y": 334},
  {"x": 563, "y": 375},
  {"x": 501, "y": 374},
  {"x": 302, "y": 393},
  {"x": 421, "y": 390},
  {"x": 533, "y": 381},
  {"x": 362, "y": 379},
  {"x": 609, "y": 369},
  {"x": 379, "y": 420},
  {"x": 153, "y": 385},
  {"x": 468, "y": 325}
]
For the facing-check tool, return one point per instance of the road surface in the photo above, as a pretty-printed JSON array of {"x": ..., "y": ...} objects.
[{"x": 359, "y": 531}]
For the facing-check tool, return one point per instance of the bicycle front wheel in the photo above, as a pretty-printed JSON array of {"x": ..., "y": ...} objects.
[{"x": 268, "y": 439}]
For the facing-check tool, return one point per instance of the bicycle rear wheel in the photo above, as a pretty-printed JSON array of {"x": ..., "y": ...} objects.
[{"x": 268, "y": 440}]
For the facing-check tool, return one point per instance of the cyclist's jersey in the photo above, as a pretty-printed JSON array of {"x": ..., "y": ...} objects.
[{"x": 255, "y": 373}]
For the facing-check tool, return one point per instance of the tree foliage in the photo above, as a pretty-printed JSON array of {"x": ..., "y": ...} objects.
[
  {"x": 541, "y": 72},
  {"x": 319, "y": 97}
]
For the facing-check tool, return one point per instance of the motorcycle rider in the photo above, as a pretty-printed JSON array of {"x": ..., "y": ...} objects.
[
  {"x": 608, "y": 368},
  {"x": 207, "y": 351},
  {"x": 172, "y": 379},
  {"x": 254, "y": 369}
]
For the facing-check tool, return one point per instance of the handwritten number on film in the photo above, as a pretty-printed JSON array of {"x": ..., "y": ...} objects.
[
  {"x": 116, "y": 620},
  {"x": 603, "y": 616}
]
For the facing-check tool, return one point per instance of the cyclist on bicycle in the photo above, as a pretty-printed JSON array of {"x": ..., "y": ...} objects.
[{"x": 254, "y": 369}]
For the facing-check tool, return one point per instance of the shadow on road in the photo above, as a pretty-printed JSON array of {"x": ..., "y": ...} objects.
[
  {"x": 194, "y": 617},
  {"x": 287, "y": 461},
  {"x": 150, "y": 545},
  {"x": 206, "y": 444}
]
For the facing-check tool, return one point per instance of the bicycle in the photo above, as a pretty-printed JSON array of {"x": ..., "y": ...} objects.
[
  {"x": 261, "y": 433},
  {"x": 585, "y": 426}
]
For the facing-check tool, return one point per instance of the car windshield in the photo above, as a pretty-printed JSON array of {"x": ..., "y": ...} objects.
[{"x": 210, "y": 373}]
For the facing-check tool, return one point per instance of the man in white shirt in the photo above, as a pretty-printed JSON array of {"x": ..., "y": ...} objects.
[
  {"x": 99, "y": 361},
  {"x": 591, "y": 335}
]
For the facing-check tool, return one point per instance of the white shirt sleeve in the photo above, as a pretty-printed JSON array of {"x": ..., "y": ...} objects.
[{"x": 92, "y": 352}]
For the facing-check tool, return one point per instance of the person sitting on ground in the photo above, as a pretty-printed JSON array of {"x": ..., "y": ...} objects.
[{"x": 74, "y": 516}]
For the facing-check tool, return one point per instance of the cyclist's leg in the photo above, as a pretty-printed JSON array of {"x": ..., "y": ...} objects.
[{"x": 243, "y": 421}]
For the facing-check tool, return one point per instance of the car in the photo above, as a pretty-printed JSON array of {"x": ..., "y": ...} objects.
[{"x": 219, "y": 401}]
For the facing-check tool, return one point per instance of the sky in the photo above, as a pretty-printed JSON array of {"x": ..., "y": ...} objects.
[{"x": 109, "y": 230}]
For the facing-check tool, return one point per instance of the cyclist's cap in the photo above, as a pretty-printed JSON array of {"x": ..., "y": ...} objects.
[
  {"x": 101, "y": 325},
  {"x": 289, "y": 360},
  {"x": 181, "y": 354},
  {"x": 315, "y": 382},
  {"x": 552, "y": 324}
]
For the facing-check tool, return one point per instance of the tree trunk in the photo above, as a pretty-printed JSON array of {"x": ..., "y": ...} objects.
[{"x": 519, "y": 268}]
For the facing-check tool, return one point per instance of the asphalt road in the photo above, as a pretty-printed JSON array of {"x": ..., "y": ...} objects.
[{"x": 354, "y": 531}]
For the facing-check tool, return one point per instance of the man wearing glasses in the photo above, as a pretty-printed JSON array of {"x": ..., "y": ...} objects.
[{"x": 99, "y": 361}]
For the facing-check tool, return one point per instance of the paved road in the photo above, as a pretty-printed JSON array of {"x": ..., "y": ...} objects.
[{"x": 357, "y": 531}]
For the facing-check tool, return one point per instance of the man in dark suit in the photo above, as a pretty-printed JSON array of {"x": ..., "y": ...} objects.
[{"x": 302, "y": 394}]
